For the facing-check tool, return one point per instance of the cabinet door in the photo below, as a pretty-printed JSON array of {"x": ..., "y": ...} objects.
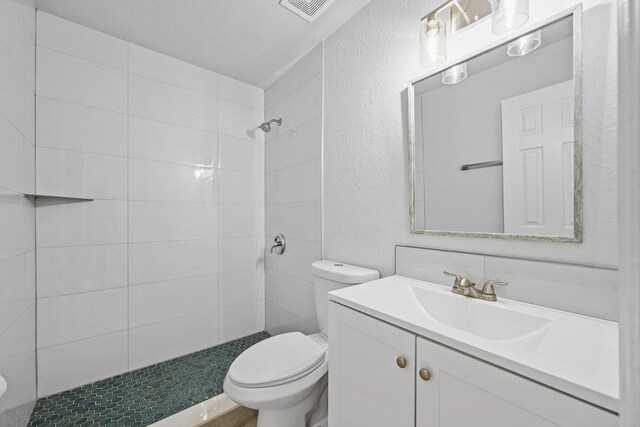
[
  {"x": 366, "y": 385},
  {"x": 464, "y": 391}
]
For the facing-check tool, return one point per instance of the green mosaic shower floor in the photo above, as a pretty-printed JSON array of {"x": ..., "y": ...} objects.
[{"x": 142, "y": 397}]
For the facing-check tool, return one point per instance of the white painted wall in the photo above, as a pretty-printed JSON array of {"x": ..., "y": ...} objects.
[
  {"x": 17, "y": 213},
  {"x": 293, "y": 194},
  {"x": 167, "y": 259},
  {"x": 462, "y": 124},
  {"x": 368, "y": 63}
]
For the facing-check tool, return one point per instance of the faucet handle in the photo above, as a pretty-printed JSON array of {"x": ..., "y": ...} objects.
[
  {"x": 487, "y": 289},
  {"x": 459, "y": 280}
]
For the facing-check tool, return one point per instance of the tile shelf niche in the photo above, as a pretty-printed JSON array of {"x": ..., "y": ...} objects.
[{"x": 46, "y": 196}]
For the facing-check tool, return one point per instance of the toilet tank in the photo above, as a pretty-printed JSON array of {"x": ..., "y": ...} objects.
[{"x": 331, "y": 275}]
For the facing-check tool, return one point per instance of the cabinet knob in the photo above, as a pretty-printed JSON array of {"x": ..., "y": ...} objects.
[
  {"x": 425, "y": 374},
  {"x": 402, "y": 362}
]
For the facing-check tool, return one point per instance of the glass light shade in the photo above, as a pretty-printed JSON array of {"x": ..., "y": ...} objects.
[
  {"x": 455, "y": 74},
  {"x": 525, "y": 44},
  {"x": 433, "y": 43},
  {"x": 509, "y": 15}
]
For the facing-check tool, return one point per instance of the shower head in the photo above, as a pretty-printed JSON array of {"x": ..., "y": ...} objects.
[{"x": 266, "y": 126}]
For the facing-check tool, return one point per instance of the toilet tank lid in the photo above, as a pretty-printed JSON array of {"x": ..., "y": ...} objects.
[{"x": 343, "y": 273}]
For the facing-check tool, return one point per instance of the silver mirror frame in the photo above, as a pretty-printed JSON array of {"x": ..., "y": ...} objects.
[{"x": 576, "y": 12}]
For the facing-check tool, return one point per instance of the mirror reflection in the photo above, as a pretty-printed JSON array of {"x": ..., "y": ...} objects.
[{"x": 494, "y": 148}]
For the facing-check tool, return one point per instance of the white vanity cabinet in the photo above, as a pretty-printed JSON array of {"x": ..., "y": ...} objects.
[{"x": 368, "y": 386}]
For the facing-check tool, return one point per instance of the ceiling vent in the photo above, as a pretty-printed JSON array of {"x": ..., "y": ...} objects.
[{"x": 309, "y": 10}]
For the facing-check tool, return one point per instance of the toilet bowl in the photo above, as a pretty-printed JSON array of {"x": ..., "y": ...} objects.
[{"x": 285, "y": 377}]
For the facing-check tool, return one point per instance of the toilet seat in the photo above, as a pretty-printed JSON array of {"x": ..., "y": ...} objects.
[{"x": 277, "y": 360}]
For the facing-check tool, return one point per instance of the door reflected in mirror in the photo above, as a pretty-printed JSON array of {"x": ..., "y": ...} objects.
[{"x": 496, "y": 141}]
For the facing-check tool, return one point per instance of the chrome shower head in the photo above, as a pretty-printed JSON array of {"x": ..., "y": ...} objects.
[{"x": 266, "y": 126}]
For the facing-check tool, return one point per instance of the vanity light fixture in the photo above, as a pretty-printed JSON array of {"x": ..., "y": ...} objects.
[
  {"x": 433, "y": 41},
  {"x": 455, "y": 74},
  {"x": 507, "y": 15},
  {"x": 525, "y": 44}
]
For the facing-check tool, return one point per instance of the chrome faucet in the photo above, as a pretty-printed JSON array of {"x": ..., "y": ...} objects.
[
  {"x": 279, "y": 244},
  {"x": 466, "y": 287}
]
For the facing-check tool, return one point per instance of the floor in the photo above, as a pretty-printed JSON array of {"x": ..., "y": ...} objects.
[{"x": 147, "y": 395}]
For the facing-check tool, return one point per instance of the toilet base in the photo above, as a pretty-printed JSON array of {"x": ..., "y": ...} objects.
[{"x": 297, "y": 415}]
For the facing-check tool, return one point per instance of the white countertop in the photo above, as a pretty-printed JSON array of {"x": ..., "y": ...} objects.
[{"x": 575, "y": 354}]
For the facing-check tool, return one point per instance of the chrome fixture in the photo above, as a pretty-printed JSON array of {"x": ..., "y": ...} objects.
[
  {"x": 525, "y": 44},
  {"x": 266, "y": 126},
  {"x": 466, "y": 287},
  {"x": 279, "y": 244},
  {"x": 455, "y": 74},
  {"x": 507, "y": 16}
]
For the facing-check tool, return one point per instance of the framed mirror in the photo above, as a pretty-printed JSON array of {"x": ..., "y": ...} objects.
[{"x": 496, "y": 139}]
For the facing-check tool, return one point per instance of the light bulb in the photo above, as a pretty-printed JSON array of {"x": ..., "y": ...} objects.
[
  {"x": 433, "y": 43},
  {"x": 525, "y": 44},
  {"x": 455, "y": 74},
  {"x": 509, "y": 15}
]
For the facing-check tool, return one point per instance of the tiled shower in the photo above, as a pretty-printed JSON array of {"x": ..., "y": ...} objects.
[
  {"x": 148, "y": 269},
  {"x": 151, "y": 197}
]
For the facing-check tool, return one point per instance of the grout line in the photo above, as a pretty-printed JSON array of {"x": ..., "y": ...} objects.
[{"x": 128, "y": 211}]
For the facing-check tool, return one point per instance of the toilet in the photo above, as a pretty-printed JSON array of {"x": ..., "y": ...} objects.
[{"x": 285, "y": 377}]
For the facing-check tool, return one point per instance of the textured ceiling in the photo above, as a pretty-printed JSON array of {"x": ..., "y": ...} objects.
[{"x": 251, "y": 40}]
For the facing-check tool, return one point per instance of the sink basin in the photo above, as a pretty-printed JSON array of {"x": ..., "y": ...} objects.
[{"x": 490, "y": 320}]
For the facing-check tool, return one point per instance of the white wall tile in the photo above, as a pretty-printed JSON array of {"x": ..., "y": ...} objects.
[
  {"x": 271, "y": 188},
  {"x": 81, "y": 223},
  {"x": 297, "y": 259},
  {"x": 17, "y": 108},
  {"x": 17, "y": 274},
  {"x": 76, "y": 269},
  {"x": 72, "y": 365},
  {"x": 271, "y": 155},
  {"x": 72, "y": 318},
  {"x": 301, "y": 220},
  {"x": 300, "y": 182},
  {"x": 160, "y": 101},
  {"x": 237, "y": 92},
  {"x": 12, "y": 20},
  {"x": 271, "y": 221},
  {"x": 301, "y": 72},
  {"x": 579, "y": 289},
  {"x": 14, "y": 74},
  {"x": 271, "y": 285},
  {"x": 240, "y": 287},
  {"x": 171, "y": 182},
  {"x": 166, "y": 340},
  {"x": 303, "y": 103},
  {"x": 271, "y": 316},
  {"x": 429, "y": 265},
  {"x": 17, "y": 233},
  {"x": 240, "y": 254},
  {"x": 75, "y": 174},
  {"x": 164, "y": 221},
  {"x": 78, "y": 128},
  {"x": 241, "y": 320},
  {"x": 240, "y": 154},
  {"x": 240, "y": 221},
  {"x": 74, "y": 39},
  {"x": 239, "y": 121},
  {"x": 67, "y": 78},
  {"x": 17, "y": 327},
  {"x": 162, "y": 261},
  {"x": 240, "y": 188},
  {"x": 271, "y": 96},
  {"x": 20, "y": 373},
  {"x": 154, "y": 140},
  {"x": 157, "y": 302},
  {"x": 301, "y": 145},
  {"x": 17, "y": 169},
  {"x": 296, "y": 296},
  {"x": 161, "y": 67}
]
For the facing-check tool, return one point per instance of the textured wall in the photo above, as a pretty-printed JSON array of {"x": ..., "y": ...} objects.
[{"x": 368, "y": 63}]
